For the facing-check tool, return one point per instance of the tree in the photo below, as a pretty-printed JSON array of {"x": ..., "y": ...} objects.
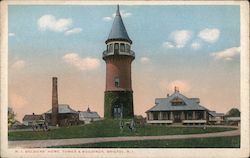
[
  {"x": 234, "y": 112},
  {"x": 11, "y": 117}
]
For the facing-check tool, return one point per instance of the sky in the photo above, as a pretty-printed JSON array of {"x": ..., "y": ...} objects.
[{"x": 196, "y": 48}]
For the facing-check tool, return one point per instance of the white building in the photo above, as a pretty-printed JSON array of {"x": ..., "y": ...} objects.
[
  {"x": 33, "y": 120},
  {"x": 216, "y": 118},
  {"x": 88, "y": 116}
]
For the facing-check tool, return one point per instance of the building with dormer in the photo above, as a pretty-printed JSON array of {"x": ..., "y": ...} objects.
[{"x": 177, "y": 108}]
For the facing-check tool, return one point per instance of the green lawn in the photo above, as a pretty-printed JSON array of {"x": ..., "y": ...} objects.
[
  {"x": 108, "y": 128},
  {"x": 220, "y": 142}
]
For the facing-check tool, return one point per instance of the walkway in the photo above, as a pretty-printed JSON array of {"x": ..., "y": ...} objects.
[{"x": 75, "y": 141}]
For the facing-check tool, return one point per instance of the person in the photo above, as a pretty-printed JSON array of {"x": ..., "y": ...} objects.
[
  {"x": 121, "y": 125},
  {"x": 132, "y": 125}
]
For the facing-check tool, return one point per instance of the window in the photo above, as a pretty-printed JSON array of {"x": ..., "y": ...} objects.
[
  {"x": 122, "y": 47},
  {"x": 155, "y": 115},
  {"x": 117, "y": 82},
  {"x": 110, "y": 48},
  {"x": 116, "y": 48},
  {"x": 165, "y": 116},
  {"x": 177, "y": 101},
  {"x": 127, "y": 48},
  {"x": 189, "y": 115}
]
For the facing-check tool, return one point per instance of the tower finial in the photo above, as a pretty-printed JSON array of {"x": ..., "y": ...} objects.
[{"x": 118, "y": 10}]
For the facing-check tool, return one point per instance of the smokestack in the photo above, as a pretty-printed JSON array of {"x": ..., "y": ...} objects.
[{"x": 54, "y": 115}]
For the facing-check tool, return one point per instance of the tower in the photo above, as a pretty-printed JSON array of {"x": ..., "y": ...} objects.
[
  {"x": 118, "y": 97},
  {"x": 54, "y": 115}
]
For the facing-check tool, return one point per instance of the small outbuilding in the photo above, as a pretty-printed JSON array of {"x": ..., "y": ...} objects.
[
  {"x": 216, "y": 118},
  {"x": 33, "y": 120},
  {"x": 66, "y": 115},
  {"x": 88, "y": 116}
]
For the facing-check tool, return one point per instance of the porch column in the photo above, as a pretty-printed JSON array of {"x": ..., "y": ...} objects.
[
  {"x": 160, "y": 116},
  {"x": 171, "y": 116},
  {"x": 182, "y": 116},
  {"x": 150, "y": 116},
  {"x": 193, "y": 117},
  {"x": 205, "y": 115}
]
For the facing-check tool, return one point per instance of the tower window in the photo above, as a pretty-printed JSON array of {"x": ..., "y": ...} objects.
[
  {"x": 116, "y": 48},
  {"x": 127, "y": 48},
  {"x": 117, "y": 82},
  {"x": 110, "y": 48},
  {"x": 122, "y": 47}
]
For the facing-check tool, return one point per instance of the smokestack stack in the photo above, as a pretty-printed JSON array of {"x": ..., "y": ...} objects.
[{"x": 54, "y": 115}]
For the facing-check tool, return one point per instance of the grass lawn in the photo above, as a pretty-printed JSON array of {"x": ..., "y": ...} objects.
[
  {"x": 109, "y": 128},
  {"x": 220, "y": 142}
]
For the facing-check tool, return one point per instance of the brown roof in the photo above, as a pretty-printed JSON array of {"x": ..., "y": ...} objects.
[{"x": 32, "y": 117}]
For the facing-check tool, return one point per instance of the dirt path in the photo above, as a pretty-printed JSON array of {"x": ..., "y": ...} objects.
[{"x": 75, "y": 141}]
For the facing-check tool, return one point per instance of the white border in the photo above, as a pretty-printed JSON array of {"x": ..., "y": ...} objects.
[{"x": 243, "y": 151}]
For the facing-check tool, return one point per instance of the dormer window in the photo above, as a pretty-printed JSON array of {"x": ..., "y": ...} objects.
[
  {"x": 122, "y": 47},
  {"x": 177, "y": 101}
]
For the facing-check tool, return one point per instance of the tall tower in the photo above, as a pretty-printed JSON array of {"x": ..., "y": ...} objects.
[
  {"x": 118, "y": 98},
  {"x": 54, "y": 114}
]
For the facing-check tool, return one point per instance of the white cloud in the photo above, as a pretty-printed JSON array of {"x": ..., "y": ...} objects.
[
  {"x": 196, "y": 45},
  {"x": 183, "y": 85},
  {"x": 73, "y": 31},
  {"x": 11, "y": 34},
  {"x": 107, "y": 18},
  {"x": 209, "y": 35},
  {"x": 49, "y": 22},
  {"x": 226, "y": 54},
  {"x": 87, "y": 63},
  {"x": 168, "y": 45},
  {"x": 179, "y": 39},
  {"x": 19, "y": 64},
  {"x": 123, "y": 13},
  {"x": 144, "y": 60}
]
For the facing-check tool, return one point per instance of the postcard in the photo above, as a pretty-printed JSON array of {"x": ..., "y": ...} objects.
[{"x": 124, "y": 79}]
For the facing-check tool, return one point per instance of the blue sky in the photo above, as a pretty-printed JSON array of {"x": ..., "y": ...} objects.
[{"x": 195, "y": 47}]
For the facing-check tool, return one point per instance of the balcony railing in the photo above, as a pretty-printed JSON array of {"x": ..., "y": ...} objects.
[{"x": 106, "y": 53}]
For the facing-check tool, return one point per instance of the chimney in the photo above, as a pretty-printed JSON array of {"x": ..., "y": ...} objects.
[
  {"x": 54, "y": 114},
  {"x": 176, "y": 89},
  {"x": 33, "y": 113}
]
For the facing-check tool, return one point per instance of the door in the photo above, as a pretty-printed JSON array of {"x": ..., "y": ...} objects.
[
  {"x": 177, "y": 117},
  {"x": 117, "y": 112}
]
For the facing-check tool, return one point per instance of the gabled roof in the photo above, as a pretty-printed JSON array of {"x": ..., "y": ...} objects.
[
  {"x": 63, "y": 109},
  {"x": 32, "y": 117},
  {"x": 118, "y": 30},
  {"x": 87, "y": 114},
  {"x": 215, "y": 114},
  {"x": 165, "y": 104}
]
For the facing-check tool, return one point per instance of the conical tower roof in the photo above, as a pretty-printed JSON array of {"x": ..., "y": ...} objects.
[{"x": 118, "y": 30}]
